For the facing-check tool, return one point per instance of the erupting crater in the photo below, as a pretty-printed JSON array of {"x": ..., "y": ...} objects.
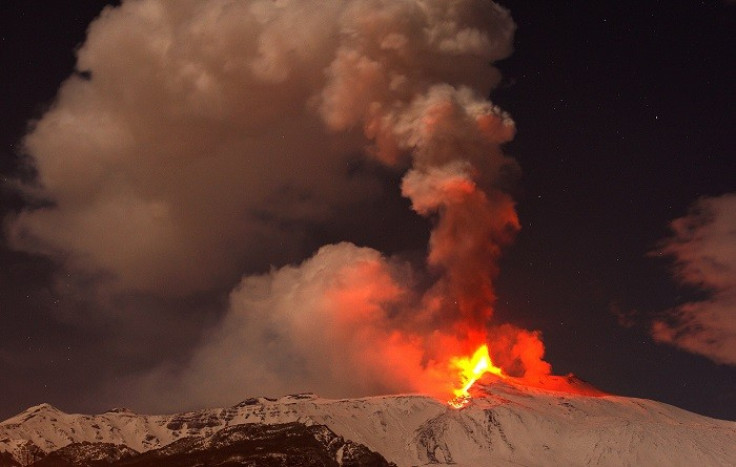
[
  {"x": 480, "y": 366},
  {"x": 471, "y": 369}
]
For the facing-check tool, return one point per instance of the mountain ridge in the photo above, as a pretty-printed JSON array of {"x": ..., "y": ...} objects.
[{"x": 504, "y": 424}]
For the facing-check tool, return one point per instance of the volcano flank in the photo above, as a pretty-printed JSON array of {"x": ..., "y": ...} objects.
[{"x": 505, "y": 424}]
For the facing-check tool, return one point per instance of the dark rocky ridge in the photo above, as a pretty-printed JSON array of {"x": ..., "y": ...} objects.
[
  {"x": 86, "y": 454},
  {"x": 286, "y": 444},
  {"x": 7, "y": 460}
]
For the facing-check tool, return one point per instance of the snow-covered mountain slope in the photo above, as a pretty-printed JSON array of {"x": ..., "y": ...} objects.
[{"x": 505, "y": 424}]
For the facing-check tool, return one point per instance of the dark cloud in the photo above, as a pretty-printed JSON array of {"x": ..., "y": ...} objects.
[{"x": 703, "y": 245}]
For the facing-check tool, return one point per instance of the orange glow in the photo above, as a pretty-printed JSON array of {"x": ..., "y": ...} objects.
[{"x": 471, "y": 369}]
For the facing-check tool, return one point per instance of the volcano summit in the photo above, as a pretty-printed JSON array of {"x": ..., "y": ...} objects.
[{"x": 504, "y": 424}]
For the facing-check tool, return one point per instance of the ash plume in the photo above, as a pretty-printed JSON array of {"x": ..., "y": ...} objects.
[{"x": 211, "y": 133}]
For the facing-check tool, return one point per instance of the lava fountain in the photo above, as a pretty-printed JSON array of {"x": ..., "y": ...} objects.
[{"x": 471, "y": 369}]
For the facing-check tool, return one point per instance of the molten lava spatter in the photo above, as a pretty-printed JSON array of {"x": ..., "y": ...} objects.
[{"x": 471, "y": 369}]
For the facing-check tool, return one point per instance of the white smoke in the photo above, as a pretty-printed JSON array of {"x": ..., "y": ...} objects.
[
  {"x": 200, "y": 145},
  {"x": 192, "y": 151},
  {"x": 704, "y": 247},
  {"x": 320, "y": 326}
]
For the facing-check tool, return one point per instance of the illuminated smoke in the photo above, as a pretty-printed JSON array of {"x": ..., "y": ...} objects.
[
  {"x": 704, "y": 247},
  {"x": 212, "y": 132}
]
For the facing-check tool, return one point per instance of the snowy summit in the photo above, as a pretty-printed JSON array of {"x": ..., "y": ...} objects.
[{"x": 504, "y": 424}]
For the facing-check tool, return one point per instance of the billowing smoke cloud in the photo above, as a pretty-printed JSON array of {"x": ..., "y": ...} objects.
[
  {"x": 704, "y": 247},
  {"x": 345, "y": 322},
  {"x": 211, "y": 132},
  {"x": 200, "y": 142},
  {"x": 193, "y": 149}
]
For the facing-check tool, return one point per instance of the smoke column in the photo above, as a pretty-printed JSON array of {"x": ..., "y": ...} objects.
[{"x": 209, "y": 132}]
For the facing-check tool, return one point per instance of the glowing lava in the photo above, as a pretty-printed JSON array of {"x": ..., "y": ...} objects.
[{"x": 471, "y": 369}]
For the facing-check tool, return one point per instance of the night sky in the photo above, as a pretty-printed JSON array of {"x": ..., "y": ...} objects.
[{"x": 625, "y": 113}]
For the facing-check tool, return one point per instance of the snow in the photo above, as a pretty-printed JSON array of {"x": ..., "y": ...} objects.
[{"x": 506, "y": 425}]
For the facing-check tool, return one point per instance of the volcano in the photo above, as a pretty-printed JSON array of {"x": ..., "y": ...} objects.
[{"x": 503, "y": 424}]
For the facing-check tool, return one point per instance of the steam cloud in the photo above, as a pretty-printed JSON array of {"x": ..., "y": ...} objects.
[
  {"x": 210, "y": 132},
  {"x": 704, "y": 247}
]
